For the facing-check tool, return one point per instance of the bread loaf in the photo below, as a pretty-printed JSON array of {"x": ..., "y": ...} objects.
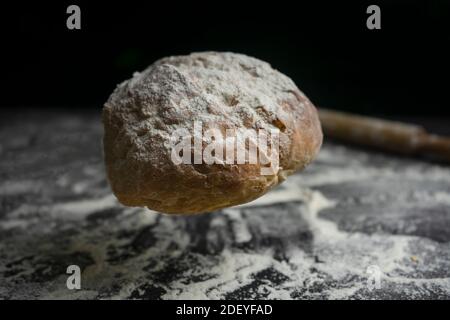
[{"x": 227, "y": 92}]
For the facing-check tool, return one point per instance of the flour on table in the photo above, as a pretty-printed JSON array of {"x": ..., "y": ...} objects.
[{"x": 313, "y": 237}]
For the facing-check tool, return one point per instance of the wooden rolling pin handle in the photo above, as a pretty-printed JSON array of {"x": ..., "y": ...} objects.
[
  {"x": 436, "y": 146},
  {"x": 387, "y": 135}
]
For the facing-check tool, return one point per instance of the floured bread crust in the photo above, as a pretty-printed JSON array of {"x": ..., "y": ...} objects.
[{"x": 222, "y": 90}]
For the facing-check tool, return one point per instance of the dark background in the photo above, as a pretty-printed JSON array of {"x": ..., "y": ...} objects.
[{"x": 324, "y": 46}]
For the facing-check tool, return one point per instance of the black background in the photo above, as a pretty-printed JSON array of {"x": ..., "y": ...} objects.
[{"x": 324, "y": 46}]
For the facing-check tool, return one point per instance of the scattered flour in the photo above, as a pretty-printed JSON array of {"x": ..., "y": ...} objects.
[{"x": 332, "y": 266}]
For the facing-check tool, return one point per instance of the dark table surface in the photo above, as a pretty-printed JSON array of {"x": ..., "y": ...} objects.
[{"x": 354, "y": 224}]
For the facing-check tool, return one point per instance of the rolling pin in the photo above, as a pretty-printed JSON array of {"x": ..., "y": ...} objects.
[{"x": 392, "y": 136}]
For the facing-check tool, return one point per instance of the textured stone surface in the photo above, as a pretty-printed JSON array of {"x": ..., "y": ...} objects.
[{"x": 312, "y": 238}]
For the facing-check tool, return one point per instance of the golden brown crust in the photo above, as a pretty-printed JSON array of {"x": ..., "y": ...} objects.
[{"x": 142, "y": 112}]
